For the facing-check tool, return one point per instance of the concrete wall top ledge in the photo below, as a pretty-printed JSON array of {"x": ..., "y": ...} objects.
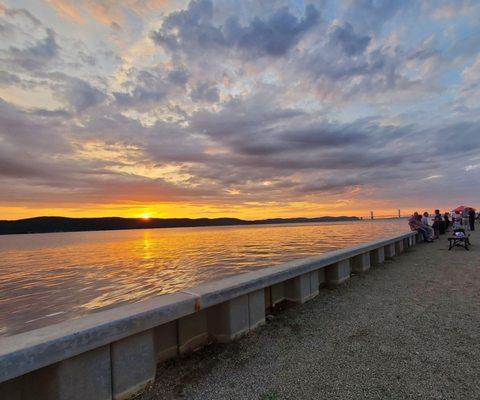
[
  {"x": 26, "y": 352},
  {"x": 215, "y": 292}
]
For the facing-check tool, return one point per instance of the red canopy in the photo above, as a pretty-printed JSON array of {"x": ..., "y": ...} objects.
[{"x": 461, "y": 208}]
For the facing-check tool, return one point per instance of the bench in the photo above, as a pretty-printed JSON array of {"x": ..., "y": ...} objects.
[{"x": 456, "y": 241}]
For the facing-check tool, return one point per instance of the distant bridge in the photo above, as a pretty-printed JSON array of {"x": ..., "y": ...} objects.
[{"x": 373, "y": 215}]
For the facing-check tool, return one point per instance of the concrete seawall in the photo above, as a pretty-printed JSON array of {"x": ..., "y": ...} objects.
[{"x": 113, "y": 354}]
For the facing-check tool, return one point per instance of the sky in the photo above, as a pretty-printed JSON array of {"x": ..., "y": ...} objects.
[{"x": 251, "y": 109}]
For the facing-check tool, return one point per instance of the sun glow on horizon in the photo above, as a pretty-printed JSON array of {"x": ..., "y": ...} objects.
[
  {"x": 145, "y": 216},
  {"x": 146, "y": 212}
]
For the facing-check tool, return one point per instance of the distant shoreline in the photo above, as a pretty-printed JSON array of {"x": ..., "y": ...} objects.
[{"x": 64, "y": 224}]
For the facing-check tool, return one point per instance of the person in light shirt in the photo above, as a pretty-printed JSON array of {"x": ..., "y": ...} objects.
[
  {"x": 457, "y": 219},
  {"x": 425, "y": 218},
  {"x": 426, "y": 224}
]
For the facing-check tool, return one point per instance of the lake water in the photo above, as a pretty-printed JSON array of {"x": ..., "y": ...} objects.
[{"x": 48, "y": 278}]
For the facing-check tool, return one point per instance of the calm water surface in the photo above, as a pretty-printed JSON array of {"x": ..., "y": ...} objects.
[{"x": 48, "y": 278}]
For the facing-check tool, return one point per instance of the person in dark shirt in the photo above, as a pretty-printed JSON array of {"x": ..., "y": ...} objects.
[
  {"x": 471, "y": 218},
  {"x": 437, "y": 218},
  {"x": 446, "y": 217}
]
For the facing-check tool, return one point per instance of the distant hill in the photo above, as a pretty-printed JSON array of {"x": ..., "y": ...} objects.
[{"x": 63, "y": 224}]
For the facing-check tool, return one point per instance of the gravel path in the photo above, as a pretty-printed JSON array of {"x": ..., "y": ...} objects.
[{"x": 409, "y": 329}]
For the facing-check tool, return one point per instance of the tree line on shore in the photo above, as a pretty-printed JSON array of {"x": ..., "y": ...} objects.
[{"x": 64, "y": 224}]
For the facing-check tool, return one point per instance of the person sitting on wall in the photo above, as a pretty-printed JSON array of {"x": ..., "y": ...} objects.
[
  {"x": 427, "y": 225},
  {"x": 416, "y": 225}
]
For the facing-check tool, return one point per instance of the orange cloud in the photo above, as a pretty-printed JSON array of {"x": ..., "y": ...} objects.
[
  {"x": 106, "y": 12},
  {"x": 144, "y": 6},
  {"x": 66, "y": 8}
]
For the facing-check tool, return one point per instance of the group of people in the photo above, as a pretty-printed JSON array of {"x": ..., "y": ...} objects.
[
  {"x": 459, "y": 220},
  {"x": 465, "y": 219}
]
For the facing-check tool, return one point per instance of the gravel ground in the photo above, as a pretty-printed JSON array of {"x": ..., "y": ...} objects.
[{"x": 409, "y": 329}]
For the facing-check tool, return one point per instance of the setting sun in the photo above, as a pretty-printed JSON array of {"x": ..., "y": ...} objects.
[{"x": 145, "y": 216}]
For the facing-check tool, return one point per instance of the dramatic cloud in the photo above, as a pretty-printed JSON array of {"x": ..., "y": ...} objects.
[
  {"x": 81, "y": 95},
  {"x": 150, "y": 86},
  {"x": 280, "y": 107},
  {"x": 206, "y": 91},
  {"x": 194, "y": 29},
  {"x": 351, "y": 43},
  {"x": 34, "y": 55}
]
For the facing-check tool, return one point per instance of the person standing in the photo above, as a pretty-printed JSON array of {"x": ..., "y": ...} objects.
[
  {"x": 446, "y": 217},
  {"x": 457, "y": 219},
  {"x": 465, "y": 218},
  {"x": 437, "y": 220},
  {"x": 471, "y": 218}
]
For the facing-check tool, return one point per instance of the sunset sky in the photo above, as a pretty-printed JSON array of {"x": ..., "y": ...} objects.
[{"x": 237, "y": 108}]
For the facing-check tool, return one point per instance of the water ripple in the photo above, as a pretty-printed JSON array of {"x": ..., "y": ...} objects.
[{"x": 49, "y": 278}]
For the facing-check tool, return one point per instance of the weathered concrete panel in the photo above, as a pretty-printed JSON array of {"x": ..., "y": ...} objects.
[
  {"x": 165, "y": 340},
  {"x": 133, "y": 364},
  {"x": 12, "y": 389},
  {"x": 277, "y": 293},
  {"x": 381, "y": 255},
  {"x": 411, "y": 241},
  {"x": 314, "y": 284},
  {"x": 298, "y": 289},
  {"x": 390, "y": 251},
  {"x": 229, "y": 320},
  {"x": 267, "y": 298},
  {"x": 43, "y": 384},
  {"x": 418, "y": 238},
  {"x": 399, "y": 247},
  {"x": 86, "y": 376},
  {"x": 361, "y": 263},
  {"x": 256, "y": 308},
  {"x": 377, "y": 256},
  {"x": 239, "y": 316},
  {"x": 322, "y": 279},
  {"x": 338, "y": 273},
  {"x": 192, "y": 331}
]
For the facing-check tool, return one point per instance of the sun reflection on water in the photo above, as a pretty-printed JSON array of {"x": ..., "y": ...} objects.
[
  {"x": 65, "y": 275},
  {"x": 148, "y": 253}
]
